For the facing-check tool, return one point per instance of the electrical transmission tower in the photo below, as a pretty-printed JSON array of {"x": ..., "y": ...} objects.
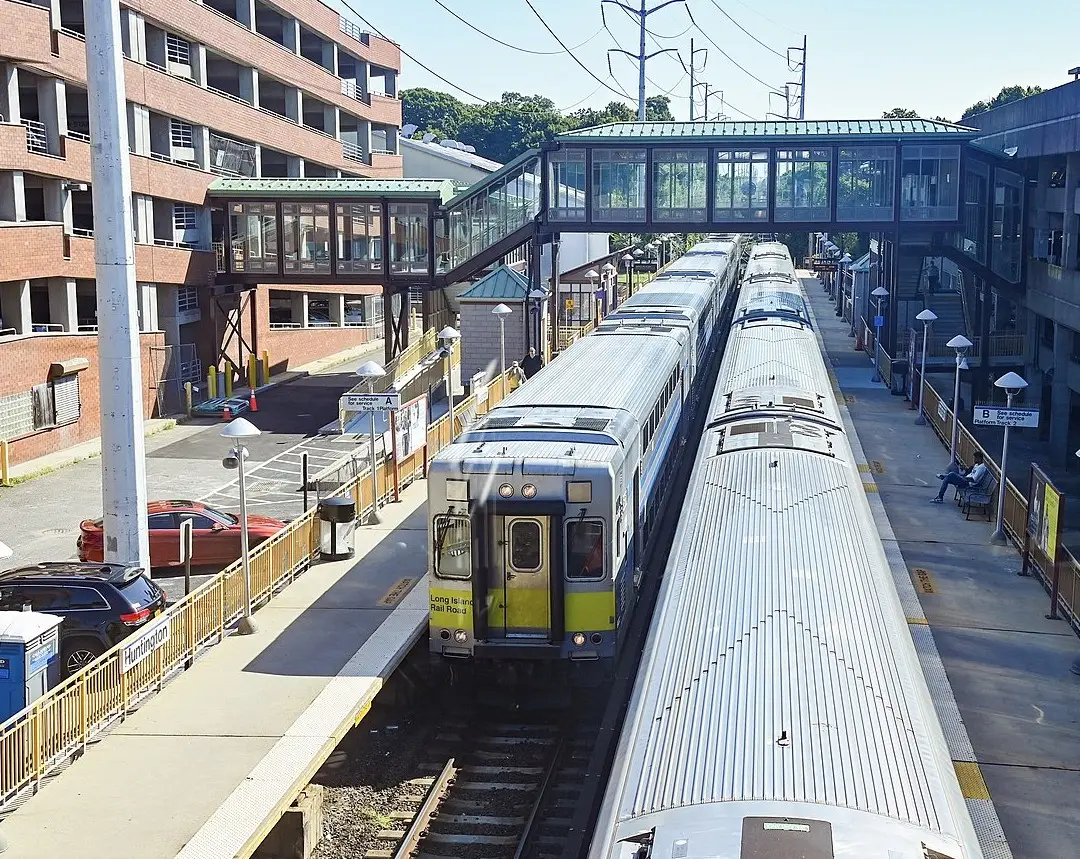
[{"x": 642, "y": 15}]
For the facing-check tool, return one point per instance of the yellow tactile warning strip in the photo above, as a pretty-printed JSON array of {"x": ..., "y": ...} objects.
[
  {"x": 864, "y": 468},
  {"x": 393, "y": 596},
  {"x": 971, "y": 780},
  {"x": 924, "y": 581},
  {"x": 918, "y": 621},
  {"x": 870, "y": 487}
]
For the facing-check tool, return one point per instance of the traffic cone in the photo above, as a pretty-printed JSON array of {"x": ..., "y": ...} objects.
[
  {"x": 226, "y": 414},
  {"x": 253, "y": 404}
]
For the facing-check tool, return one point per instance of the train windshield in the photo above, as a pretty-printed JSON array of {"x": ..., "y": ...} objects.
[
  {"x": 453, "y": 547},
  {"x": 585, "y": 549}
]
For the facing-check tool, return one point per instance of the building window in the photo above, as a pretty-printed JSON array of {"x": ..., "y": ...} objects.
[
  {"x": 180, "y": 134},
  {"x": 185, "y": 217},
  {"x": 359, "y": 237},
  {"x": 306, "y": 229},
  {"x": 409, "y": 238},
  {"x": 679, "y": 185},
  {"x": 618, "y": 192},
  {"x": 177, "y": 50},
  {"x": 802, "y": 185},
  {"x": 566, "y": 187},
  {"x": 930, "y": 183},
  {"x": 865, "y": 184},
  {"x": 1006, "y": 238},
  {"x": 187, "y": 299},
  {"x": 742, "y": 186}
]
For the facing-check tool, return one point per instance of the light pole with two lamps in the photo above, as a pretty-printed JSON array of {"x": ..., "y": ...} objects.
[
  {"x": 237, "y": 431},
  {"x": 370, "y": 371},
  {"x": 609, "y": 270},
  {"x": 629, "y": 259},
  {"x": 879, "y": 321},
  {"x": 961, "y": 344},
  {"x": 1012, "y": 384},
  {"x": 501, "y": 311},
  {"x": 926, "y": 317},
  {"x": 638, "y": 254},
  {"x": 448, "y": 336}
]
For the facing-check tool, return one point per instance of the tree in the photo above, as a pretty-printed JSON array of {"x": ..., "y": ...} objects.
[
  {"x": 658, "y": 109},
  {"x": 900, "y": 113},
  {"x": 1007, "y": 95},
  {"x": 436, "y": 112},
  {"x": 588, "y": 117},
  {"x": 502, "y": 130}
]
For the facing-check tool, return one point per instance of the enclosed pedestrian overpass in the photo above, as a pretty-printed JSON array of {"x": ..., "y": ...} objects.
[{"x": 921, "y": 187}]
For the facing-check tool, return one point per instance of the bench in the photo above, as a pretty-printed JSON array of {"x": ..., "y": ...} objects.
[{"x": 981, "y": 497}]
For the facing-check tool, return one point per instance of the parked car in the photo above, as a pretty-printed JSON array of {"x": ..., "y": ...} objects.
[
  {"x": 101, "y": 604},
  {"x": 215, "y": 537}
]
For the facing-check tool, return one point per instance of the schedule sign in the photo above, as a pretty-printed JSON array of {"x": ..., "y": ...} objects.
[
  {"x": 388, "y": 402},
  {"x": 1000, "y": 416}
]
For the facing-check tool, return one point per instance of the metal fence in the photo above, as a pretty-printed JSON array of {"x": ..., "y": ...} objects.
[
  {"x": 172, "y": 367},
  {"x": 42, "y": 738}
]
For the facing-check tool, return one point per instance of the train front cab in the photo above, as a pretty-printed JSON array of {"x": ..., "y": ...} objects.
[{"x": 510, "y": 555}]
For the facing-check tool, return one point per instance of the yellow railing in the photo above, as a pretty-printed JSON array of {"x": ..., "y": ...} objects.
[
  {"x": 570, "y": 334},
  {"x": 878, "y": 356},
  {"x": 1006, "y": 345},
  {"x": 45, "y": 735},
  {"x": 940, "y": 417}
]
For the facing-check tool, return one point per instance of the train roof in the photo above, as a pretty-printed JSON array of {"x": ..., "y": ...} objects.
[{"x": 675, "y": 293}]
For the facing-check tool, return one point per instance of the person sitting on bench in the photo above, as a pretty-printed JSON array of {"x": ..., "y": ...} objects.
[{"x": 962, "y": 480}]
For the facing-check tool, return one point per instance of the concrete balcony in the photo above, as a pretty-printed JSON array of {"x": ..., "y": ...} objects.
[
  {"x": 1054, "y": 292},
  {"x": 385, "y": 164}
]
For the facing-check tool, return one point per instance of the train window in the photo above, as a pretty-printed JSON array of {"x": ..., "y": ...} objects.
[
  {"x": 453, "y": 547},
  {"x": 585, "y": 549},
  {"x": 525, "y": 547}
]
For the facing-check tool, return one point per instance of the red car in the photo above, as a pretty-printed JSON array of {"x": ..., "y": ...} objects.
[{"x": 215, "y": 534}]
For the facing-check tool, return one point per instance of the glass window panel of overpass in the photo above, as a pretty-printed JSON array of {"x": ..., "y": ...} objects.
[
  {"x": 680, "y": 185},
  {"x": 972, "y": 238},
  {"x": 566, "y": 183},
  {"x": 929, "y": 183},
  {"x": 306, "y": 230},
  {"x": 865, "y": 181},
  {"x": 618, "y": 178},
  {"x": 742, "y": 186},
  {"x": 409, "y": 251},
  {"x": 1006, "y": 238},
  {"x": 359, "y": 237},
  {"x": 802, "y": 185},
  {"x": 253, "y": 227}
]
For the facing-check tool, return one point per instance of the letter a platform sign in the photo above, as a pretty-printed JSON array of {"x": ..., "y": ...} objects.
[
  {"x": 389, "y": 402},
  {"x": 1000, "y": 416}
]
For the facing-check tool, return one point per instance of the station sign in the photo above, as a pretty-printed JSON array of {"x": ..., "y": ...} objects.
[
  {"x": 1000, "y": 416},
  {"x": 388, "y": 402},
  {"x": 153, "y": 637}
]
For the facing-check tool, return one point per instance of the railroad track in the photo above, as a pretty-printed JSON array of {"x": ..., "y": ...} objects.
[{"x": 507, "y": 791}]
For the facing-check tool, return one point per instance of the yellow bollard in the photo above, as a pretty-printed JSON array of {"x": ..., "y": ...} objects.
[
  {"x": 253, "y": 381},
  {"x": 228, "y": 383},
  {"x": 211, "y": 383},
  {"x": 265, "y": 367},
  {"x": 5, "y": 477}
]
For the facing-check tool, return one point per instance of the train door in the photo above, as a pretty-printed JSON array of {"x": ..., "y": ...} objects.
[{"x": 520, "y": 586}]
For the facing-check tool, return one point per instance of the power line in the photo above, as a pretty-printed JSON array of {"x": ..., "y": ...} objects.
[
  {"x": 741, "y": 27},
  {"x": 731, "y": 60},
  {"x": 581, "y": 102},
  {"x": 772, "y": 21},
  {"x": 428, "y": 69},
  {"x": 585, "y": 68},
  {"x": 488, "y": 35}
]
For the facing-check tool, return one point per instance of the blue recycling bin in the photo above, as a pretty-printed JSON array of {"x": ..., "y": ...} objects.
[{"x": 29, "y": 658}]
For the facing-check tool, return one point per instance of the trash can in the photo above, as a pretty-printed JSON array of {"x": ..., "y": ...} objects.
[
  {"x": 29, "y": 658},
  {"x": 337, "y": 526},
  {"x": 899, "y": 377}
]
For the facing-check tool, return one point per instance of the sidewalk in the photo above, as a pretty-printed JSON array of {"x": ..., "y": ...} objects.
[
  {"x": 1008, "y": 666},
  {"x": 209, "y": 763}
]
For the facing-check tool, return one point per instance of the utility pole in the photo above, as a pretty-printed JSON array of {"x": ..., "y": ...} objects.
[
  {"x": 641, "y": 14},
  {"x": 693, "y": 71},
  {"x": 798, "y": 86},
  {"x": 123, "y": 470}
]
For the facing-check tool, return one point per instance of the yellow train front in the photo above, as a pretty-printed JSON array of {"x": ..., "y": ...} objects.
[{"x": 542, "y": 514}]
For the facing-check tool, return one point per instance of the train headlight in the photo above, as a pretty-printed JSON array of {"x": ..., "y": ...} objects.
[
  {"x": 506, "y": 490},
  {"x": 528, "y": 491},
  {"x": 578, "y": 638},
  {"x": 460, "y": 636},
  {"x": 444, "y": 634}
]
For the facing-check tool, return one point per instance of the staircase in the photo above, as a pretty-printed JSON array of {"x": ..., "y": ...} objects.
[{"x": 949, "y": 308}]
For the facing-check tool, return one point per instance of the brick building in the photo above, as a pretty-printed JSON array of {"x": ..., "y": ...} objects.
[{"x": 214, "y": 88}]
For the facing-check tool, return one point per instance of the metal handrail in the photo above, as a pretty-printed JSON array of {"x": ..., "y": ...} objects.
[
  {"x": 351, "y": 151},
  {"x": 37, "y": 136}
]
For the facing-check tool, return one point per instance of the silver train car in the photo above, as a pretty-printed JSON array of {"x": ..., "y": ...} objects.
[
  {"x": 780, "y": 709},
  {"x": 541, "y": 512}
]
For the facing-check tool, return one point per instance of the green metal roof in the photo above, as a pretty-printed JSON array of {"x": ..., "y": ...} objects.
[
  {"x": 503, "y": 284},
  {"x": 440, "y": 190},
  {"x": 663, "y": 131}
]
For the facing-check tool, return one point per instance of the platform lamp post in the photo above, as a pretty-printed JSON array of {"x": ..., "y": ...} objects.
[
  {"x": 880, "y": 293},
  {"x": 501, "y": 311},
  {"x": 961, "y": 344},
  {"x": 1012, "y": 384},
  {"x": 369, "y": 371},
  {"x": 638, "y": 254},
  {"x": 628, "y": 259},
  {"x": 237, "y": 431},
  {"x": 609, "y": 270},
  {"x": 926, "y": 317},
  {"x": 592, "y": 275},
  {"x": 448, "y": 336}
]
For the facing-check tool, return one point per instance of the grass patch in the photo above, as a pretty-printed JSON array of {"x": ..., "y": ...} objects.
[{"x": 380, "y": 820}]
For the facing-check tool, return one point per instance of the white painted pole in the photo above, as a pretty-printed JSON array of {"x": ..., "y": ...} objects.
[
  {"x": 999, "y": 531},
  {"x": 920, "y": 419},
  {"x": 502, "y": 353},
  {"x": 123, "y": 473},
  {"x": 246, "y": 625},
  {"x": 373, "y": 519},
  {"x": 955, "y": 413}
]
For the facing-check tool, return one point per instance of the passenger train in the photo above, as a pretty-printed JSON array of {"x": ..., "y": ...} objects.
[
  {"x": 780, "y": 709},
  {"x": 541, "y": 513}
]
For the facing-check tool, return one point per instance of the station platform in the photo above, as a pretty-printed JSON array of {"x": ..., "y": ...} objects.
[
  {"x": 204, "y": 769},
  {"x": 998, "y": 670}
]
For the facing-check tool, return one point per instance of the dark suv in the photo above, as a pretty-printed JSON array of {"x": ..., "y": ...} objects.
[{"x": 100, "y": 603}]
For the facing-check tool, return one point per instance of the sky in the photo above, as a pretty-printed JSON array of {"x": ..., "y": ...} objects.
[{"x": 864, "y": 56}]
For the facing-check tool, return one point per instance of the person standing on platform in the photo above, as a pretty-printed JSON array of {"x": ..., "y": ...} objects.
[{"x": 531, "y": 364}]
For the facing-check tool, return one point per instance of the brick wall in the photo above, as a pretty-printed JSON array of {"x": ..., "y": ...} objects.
[
  {"x": 25, "y": 362},
  {"x": 480, "y": 337}
]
